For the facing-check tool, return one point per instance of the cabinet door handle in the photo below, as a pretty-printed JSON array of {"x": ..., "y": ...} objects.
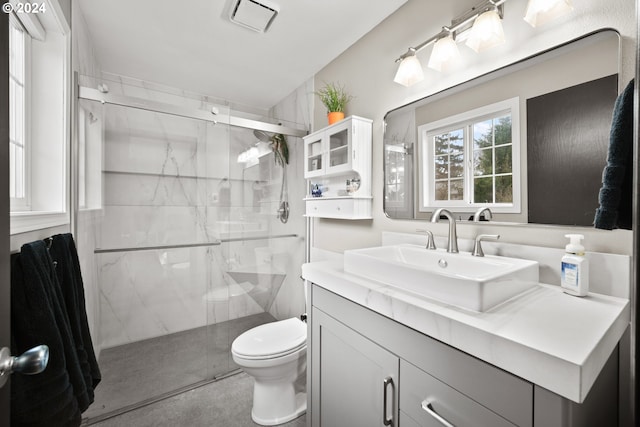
[
  {"x": 386, "y": 420},
  {"x": 429, "y": 410}
]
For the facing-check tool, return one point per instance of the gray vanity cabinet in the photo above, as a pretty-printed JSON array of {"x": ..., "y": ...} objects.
[
  {"x": 355, "y": 377},
  {"x": 366, "y": 369}
]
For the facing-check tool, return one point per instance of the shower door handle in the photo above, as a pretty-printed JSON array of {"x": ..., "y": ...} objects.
[{"x": 31, "y": 362}]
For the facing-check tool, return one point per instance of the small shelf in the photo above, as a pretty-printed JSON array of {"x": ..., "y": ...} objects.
[
  {"x": 339, "y": 149},
  {"x": 339, "y": 207}
]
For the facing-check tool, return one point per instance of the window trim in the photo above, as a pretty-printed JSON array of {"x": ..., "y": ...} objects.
[
  {"x": 42, "y": 217},
  {"x": 21, "y": 222},
  {"x": 29, "y": 22},
  {"x": 425, "y": 202}
]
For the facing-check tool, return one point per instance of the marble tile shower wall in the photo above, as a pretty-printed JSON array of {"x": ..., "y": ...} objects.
[
  {"x": 295, "y": 109},
  {"x": 167, "y": 181}
]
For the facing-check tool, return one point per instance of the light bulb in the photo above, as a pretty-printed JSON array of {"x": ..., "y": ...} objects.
[
  {"x": 540, "y": 12},
  {"x": 486, "y": 32},
  {"x": 445, "y": 54},
  {"x": 409, "y": 70}
]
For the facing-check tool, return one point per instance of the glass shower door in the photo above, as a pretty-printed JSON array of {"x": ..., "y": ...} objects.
[
  {"x": 191, "y": 247},
  {"x": 159, "y": 260}
]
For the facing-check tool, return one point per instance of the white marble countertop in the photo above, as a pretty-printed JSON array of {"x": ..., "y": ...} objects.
[{"x": 557, "y": 341}]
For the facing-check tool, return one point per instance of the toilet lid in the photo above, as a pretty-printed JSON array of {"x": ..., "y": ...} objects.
[{"x": 271, "y": 339}]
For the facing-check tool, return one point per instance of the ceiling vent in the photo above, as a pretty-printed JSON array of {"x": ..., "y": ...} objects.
[{"x": 257, "y": 15}]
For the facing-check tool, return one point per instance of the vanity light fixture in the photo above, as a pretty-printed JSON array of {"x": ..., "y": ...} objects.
[
  {"x": 410, "y": 69},
  {"x": 540, "y": 12},
  {"x": 445, "y": 54},
  {"x": 480, "y": 26}
]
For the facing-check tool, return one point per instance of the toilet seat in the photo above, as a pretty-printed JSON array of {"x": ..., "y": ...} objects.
[{"x": 271, "y": 340}]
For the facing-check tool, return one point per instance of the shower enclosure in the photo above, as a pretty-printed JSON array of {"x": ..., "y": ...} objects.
[{"x": 191, "y": 246}]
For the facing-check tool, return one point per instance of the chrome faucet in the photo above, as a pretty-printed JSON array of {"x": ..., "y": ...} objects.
[
  {"x": 452, "y": 245},
  {"x": 479, "y": 212},
  {"x": 477, "y": 247}
]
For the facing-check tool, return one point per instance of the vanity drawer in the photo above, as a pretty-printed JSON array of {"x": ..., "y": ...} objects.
[
  {"x": 342, "y": 208},
  {"x": 405, "y": 420},
  {"x": 417, "y": 389}
]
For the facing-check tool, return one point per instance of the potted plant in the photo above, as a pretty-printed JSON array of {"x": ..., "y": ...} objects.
[{"x": 335, "y": 99}]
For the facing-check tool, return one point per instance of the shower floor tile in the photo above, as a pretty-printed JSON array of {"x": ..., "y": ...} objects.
[{"x": 143, "y": 370}]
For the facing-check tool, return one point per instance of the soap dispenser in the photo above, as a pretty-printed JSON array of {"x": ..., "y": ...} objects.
[{"x": 575, "y": 268}]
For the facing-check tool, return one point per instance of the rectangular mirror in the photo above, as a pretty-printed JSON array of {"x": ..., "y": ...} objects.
[{"x": 528, "y": 140}]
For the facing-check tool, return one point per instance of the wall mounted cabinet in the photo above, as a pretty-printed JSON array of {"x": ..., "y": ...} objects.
[{"x": 332, "y": 156}]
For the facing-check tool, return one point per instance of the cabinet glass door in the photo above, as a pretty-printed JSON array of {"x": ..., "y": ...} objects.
[
  {"x": 313, "y": 157},
  {"x": 339, "y": 154}
]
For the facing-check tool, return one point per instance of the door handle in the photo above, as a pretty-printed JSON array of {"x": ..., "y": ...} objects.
[{"x": 31, "y": 362}]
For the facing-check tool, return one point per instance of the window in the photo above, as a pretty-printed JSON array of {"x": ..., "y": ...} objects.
[
  {"x": 492, "y": 161},
  {"x": 18, "y": 154},
  {"x": 469, "y": 160},
  {"x": 39, "y": 112}
]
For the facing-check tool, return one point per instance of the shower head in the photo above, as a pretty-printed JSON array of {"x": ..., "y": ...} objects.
[{"x": 261, "y": 135}]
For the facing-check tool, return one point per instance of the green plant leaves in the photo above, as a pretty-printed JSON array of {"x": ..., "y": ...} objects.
[{"x": 334, "y": 97}]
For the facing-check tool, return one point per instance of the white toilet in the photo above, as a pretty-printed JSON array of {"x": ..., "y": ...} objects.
[{"x": 275, "y": 355}]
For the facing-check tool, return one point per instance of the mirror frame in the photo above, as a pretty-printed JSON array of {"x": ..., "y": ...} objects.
[{"x": 480, "y": 79}]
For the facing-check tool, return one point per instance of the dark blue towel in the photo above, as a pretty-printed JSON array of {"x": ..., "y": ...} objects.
[
  {"x": 616, "y": 194},
  {"x": 38, "y": 317},
  {"x": 64, "y": 254}
]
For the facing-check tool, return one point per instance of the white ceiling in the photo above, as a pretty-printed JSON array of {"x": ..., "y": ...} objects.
[{"x": 192, "y": 45}]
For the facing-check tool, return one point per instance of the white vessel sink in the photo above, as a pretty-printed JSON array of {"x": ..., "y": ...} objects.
[{"x": 474, "y": 283}]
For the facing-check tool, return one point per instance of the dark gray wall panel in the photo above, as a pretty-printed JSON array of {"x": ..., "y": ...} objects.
[{"x": 567, "y": 138}]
